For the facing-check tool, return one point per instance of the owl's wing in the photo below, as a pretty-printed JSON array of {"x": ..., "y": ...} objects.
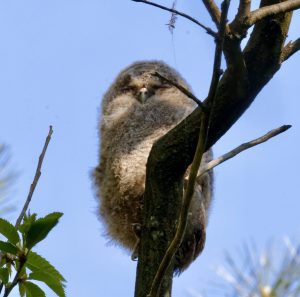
[
  {"x": 204, "y": 184},
  {"x": 195, "y": 234}
]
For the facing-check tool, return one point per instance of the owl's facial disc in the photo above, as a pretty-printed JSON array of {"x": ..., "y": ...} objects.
[{"x": 144, "y": 93}]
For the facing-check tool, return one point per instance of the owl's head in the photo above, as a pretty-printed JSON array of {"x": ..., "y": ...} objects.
[{"x": 139, "y": 80}]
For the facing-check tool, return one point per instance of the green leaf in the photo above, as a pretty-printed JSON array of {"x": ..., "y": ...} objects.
[
  {"x": 55, "y": 285},
  {"x": 9, "y": 231},
  {"x": 40, "y": 229},
  {"x": 4, "y": 275},
  {"x": 27, "y": 221},
  {"x": 36, "y": 263},
  {"x": 21, "y": 289},
  {"x": 33, "y": 290},
  {"x": 54, "y": 215},
  {"x": 8, "y": 247}
]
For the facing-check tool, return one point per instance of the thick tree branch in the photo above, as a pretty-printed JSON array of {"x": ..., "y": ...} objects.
[
  {"x": 237, "y": 26},
  {"x": 207, "y": 29},
  {"x": 290, "y": 49},
  {"x": 267, "y": 41},
  {"x": 213, "y": 11},
  {"x": 200, "y": 150},
  {"x": 272, "y": 10},
  {"x": 246, "y": 19},
  {"x": 173, "y": 153},
  {"x": 244, "y": 9}
]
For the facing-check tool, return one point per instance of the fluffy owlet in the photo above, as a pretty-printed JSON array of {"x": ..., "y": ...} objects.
[{"x": 137, "y": 110}]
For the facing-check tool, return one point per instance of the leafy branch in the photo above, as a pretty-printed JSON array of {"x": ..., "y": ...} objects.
[
  {"x": 19, "y": 265},
  {"x": 19, "y": 260}
]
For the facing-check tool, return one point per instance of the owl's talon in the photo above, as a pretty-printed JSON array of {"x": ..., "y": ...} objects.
[
  {"x": 135, "y": 254},
  {"x": 137, "y": 228}
]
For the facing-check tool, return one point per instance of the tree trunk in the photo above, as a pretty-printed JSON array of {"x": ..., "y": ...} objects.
[{"x": 247, "y": 73}]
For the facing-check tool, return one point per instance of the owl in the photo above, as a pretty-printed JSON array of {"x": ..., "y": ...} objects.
[{"x": 137, "y": 110}]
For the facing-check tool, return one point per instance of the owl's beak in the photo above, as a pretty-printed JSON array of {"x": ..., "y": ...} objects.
[{"x": 144, "y": 94}]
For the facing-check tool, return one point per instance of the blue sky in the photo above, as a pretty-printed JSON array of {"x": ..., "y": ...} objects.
[{"x": 58, "y": 58}]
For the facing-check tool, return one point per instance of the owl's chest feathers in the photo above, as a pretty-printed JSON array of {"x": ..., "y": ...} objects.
[
  {"x": 127, "y": 125},
  {"x": 130, "y": 138}
]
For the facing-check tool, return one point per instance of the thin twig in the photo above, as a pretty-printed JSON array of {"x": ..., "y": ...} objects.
[
  {"x": 32, "y": 188},
  {"x": 36, "y": 178},
  {"x": 210, "y": 165},
  {"x": 272, "y": 10},
  {"x": 290, "y": 49},
  {"x": 181, "y": 88},
  {"x": 213, "y": 10},
  {"x": 200, "y": 149},
  {"x": 207, "y": 29}
]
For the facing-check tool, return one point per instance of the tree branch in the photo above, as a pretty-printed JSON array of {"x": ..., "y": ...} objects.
[
  {"x": 25, "y": 207},
  {"x": 267, "y": 41},
  {"x": 213, "y": 10},
  {"x": 237, "y": 25},
  {"x": 182, "y": 89},
  {"x": 36, "y": 178},
  {"x": 171, "y": 155},
  {"x": 244, "y": 8},
  {"x": 212, "y": 164},
  {"x": 207, "y": 29},
  {"x": 290, "y": 49},
  {"x": 200, "y": 150},
  {"x": 272, "y": 10}
]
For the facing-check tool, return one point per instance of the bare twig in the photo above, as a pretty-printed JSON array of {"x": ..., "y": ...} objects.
[
  {"x": 32, "y": 188},
  {"x": 182, "y": 89},
  {"x": 210, "y": 165},
  {"x": 290, "y": 49},
  {"x": 272, "y": 10},
  {"x": 213, "y": 10},
  {"x": 207, "y": 29},
  {"x": 175, "y": 244},
  {"x": 36, "y": 178}
]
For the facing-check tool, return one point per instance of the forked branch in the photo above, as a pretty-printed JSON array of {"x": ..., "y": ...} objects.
[
  {"x": 244, "y": 8},
  {"x": 200, "y": 149},
  {"x": 247, "y": 73},
  {"x": 272, "y": 10},
  {"x": 290, "y": 49}
]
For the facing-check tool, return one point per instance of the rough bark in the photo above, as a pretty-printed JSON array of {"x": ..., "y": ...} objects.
[{"x": 246, "y": 74}]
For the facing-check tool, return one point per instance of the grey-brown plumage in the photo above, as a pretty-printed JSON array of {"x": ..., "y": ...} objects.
[{"x": 137, "y": 110}]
